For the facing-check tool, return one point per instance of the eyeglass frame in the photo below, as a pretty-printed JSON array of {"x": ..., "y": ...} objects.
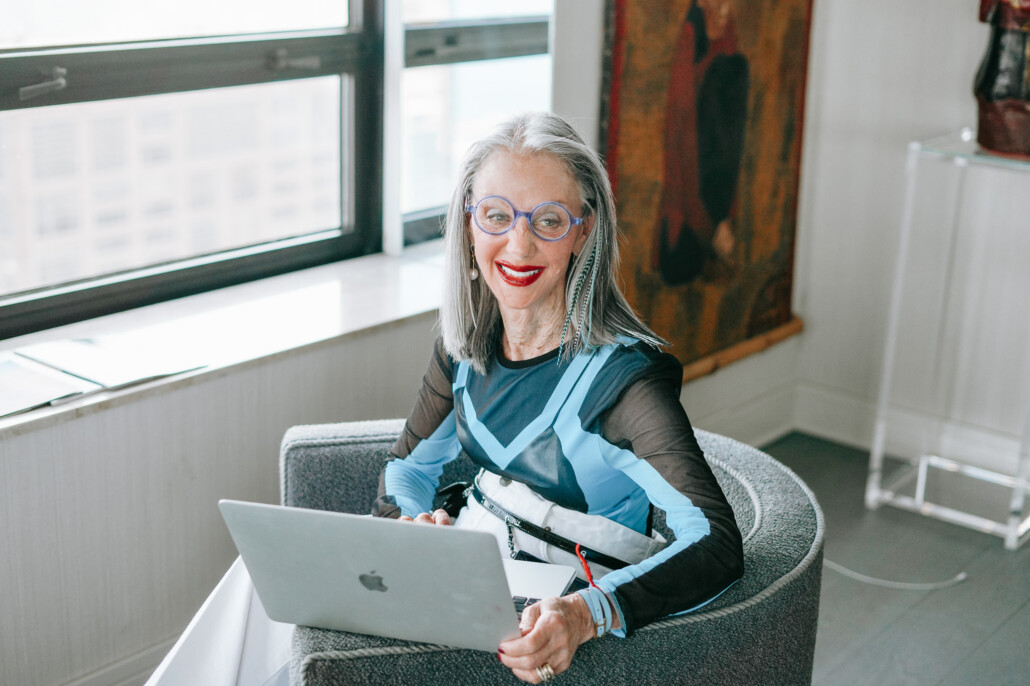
[{"x": 471, "y": 209}]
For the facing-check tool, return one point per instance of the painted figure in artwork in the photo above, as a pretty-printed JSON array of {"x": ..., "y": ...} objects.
[{"x": 706, "y": 115}]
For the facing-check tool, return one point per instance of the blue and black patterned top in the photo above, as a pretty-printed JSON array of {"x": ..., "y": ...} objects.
[{"x": 603, "y": 433}]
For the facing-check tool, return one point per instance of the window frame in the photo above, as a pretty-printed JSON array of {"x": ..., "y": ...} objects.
[{"x": 132, "y": 69}]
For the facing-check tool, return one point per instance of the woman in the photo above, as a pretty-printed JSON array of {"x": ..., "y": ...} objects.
[{"x": 548, "y": 381}]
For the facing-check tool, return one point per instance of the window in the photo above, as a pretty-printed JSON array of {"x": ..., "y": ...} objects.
[
  {"x": 159, "y": 152},
  {"x": 150, "y": 153},
  {"x": 469, "y": 65}
]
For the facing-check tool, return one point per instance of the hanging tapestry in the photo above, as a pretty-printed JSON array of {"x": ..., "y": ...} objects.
[{"x": 702, "y": 129}]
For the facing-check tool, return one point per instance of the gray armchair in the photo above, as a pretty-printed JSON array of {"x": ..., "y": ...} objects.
[{"x": 760, "y": 631}]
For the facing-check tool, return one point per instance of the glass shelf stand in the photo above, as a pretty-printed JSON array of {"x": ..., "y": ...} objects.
[{"x": 961, "y": 149}]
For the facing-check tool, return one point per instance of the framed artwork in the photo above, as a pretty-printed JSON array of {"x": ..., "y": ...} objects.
[{"x": 702, "y": 128}]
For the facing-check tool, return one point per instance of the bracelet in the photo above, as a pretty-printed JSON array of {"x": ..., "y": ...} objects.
[
  {"x": 596, "y": 611},
  {"x": 607, "y": 605},
  {"x": 600, "y": 610}
]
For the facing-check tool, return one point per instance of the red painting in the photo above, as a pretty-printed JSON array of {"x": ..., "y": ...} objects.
[{"x": 703, "y": 128}]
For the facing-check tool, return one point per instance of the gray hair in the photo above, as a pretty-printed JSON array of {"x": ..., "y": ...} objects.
[{"x": 596, "y": 311}]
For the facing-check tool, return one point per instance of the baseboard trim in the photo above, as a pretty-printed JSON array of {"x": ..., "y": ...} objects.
[
  {"x": 133, "y": 670},
  {"x": 849, "y": 420}
]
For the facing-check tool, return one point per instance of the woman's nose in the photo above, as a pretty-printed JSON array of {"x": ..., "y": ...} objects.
[{"x": 522, "y": 235}]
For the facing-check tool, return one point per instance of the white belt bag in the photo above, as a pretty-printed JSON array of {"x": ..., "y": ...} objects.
[{"x": 594, "y": 532}]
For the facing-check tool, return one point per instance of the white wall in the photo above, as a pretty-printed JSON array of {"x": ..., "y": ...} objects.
[
  {"x": 882, "y": 73},
  {"x": 577, "y": 41}
]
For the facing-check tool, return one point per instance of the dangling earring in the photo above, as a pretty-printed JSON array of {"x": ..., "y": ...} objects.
[{"x": 473, "y": 275}]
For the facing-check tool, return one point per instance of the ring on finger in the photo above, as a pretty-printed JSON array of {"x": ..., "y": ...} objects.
[{"x": 545, "y": 672}]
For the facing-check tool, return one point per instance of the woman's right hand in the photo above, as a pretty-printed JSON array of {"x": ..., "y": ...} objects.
[{"x": 439, "y": 517}]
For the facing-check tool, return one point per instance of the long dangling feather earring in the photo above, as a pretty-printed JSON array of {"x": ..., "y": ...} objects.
[{"x": 582, "y": 336}]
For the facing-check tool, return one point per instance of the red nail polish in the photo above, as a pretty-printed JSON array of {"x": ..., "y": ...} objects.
[{"x": 501, "y": 651}]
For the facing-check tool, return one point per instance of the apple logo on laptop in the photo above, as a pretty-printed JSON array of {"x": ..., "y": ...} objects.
[{"x": 372, "y": 581}]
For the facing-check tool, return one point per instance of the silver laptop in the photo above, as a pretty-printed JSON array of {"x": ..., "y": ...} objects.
[{"x": 418, "y": 582}]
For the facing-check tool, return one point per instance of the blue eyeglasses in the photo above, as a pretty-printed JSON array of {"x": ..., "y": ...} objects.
[{"x": 548, "y": 220}]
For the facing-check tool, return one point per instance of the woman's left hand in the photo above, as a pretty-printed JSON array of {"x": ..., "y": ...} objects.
[{"x": 552, "y": 630}]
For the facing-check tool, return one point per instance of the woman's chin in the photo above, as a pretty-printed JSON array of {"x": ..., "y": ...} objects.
[{"x": 529, "y": 307}]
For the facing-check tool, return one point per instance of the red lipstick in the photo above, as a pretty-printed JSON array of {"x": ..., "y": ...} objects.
[{"x": 519, "y": 275}]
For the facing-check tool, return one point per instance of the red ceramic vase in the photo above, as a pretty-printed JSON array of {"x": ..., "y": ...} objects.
[{"x": 1002, "y": 85}]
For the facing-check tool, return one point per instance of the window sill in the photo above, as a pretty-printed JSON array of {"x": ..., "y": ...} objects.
[{"x": 256, "y": 322}]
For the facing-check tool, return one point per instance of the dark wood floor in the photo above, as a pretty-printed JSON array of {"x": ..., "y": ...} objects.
[{"x": 976, "y": 632}]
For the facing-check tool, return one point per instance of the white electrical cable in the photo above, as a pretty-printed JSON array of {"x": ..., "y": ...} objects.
[{"x": 900, "y": 585}]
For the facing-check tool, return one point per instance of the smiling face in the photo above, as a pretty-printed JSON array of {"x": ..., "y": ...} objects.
[{"x": 527, "y": 274}]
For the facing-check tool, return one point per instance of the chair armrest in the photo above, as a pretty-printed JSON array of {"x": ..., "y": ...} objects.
[{"x": 335, "y": 466}]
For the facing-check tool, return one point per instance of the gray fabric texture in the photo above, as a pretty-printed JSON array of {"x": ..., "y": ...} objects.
[{"x": 760, "y": 631}]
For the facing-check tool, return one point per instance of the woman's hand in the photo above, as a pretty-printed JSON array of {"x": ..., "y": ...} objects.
[
  {"x": 438, "y": 517},
  {"x": 552, "y": 630}
]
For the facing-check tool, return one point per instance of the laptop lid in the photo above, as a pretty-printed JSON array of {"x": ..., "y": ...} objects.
[{"x": 436, "y": 584}]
